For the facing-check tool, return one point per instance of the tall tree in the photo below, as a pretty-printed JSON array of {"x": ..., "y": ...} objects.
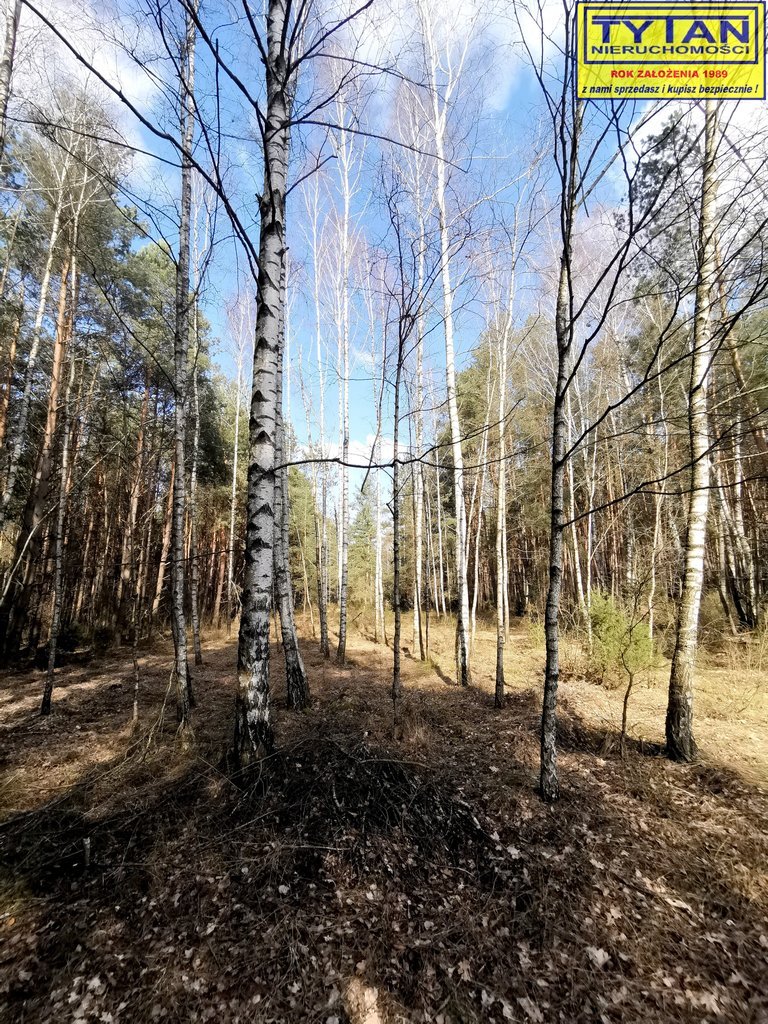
[
  {"x": 348, "y": 161},
  {"x": 12, "y": 18},
  {"x": 442, "y": 82},
  {"x": 253, "y": 722},
  {"x": 312, "y": 197},
  {"x": 241, "y": 327},
  {"x": 681, "y": 745},
  {"x": 297, "y": 686},
  {"x": 184, "y": 698}
]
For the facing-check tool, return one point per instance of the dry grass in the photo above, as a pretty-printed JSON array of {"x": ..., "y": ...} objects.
[{"x": 420, "y": 881}]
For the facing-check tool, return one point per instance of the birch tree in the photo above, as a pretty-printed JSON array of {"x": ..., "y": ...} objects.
[
  {"x": 58, "y": 556},
  {"x": 12, "y": 19},
  {"x": 681, "y": 745},
  {"x": 184, "y": 698},
  {"x": 253, "y": 723},
  {"x": 349, "y": 162},
  {"x": 198, "y": 262},
  {"x": 312, "y": 203},
  {"x": 585, "y": 296},
  {"x": 443, "y": 73},
  {"x": 297, "y": 687},
  {"x": 414, "y": 131}
]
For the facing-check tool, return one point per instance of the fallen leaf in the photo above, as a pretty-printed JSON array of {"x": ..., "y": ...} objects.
[
  {"x": 530, "y": 1009},
  {"x": 599, "y": 957}
]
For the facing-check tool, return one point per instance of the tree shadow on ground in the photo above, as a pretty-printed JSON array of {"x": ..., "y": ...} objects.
[
  {"x": 155, "y": 888},
  {"x": 341, "y": 854}
]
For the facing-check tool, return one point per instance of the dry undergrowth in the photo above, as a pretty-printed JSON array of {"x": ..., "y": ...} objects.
[{"x": 359, "y": 880}]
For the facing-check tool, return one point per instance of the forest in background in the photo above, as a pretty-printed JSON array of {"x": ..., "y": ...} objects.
[
  {"x": 383, "y": 449},
  {"x": 595, "y": 460}
]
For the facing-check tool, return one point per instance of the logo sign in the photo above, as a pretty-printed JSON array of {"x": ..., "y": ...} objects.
[{"x": 676, "y": 50}]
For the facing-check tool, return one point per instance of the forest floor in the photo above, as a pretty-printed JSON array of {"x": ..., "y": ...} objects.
[{"x": 363, "y": 880}]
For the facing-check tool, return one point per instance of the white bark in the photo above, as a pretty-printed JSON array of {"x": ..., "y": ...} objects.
[
  {"x": 321, "y": 514},
  {"x": 184, "y": 698},
  {"x": 440, "y": 95},
  {"x": 681, "y": 745},
  {"x": 431, "y": 546},
  {"x": 253, "y": 726},
  {"x": 439, "y": 503},
  {"x": 478, "y": 492},
  {"x": 548, "y": 781},
  {"x": 418, "y": 473},
  {"x": 194, "y": 554},
  {"x": 61, "y": 516},
  {"x": 501, "y": 519},
  {"x": 297, "y": 687},
  {"x": 13, "y": 16},
  {"x": 346, "y": 157}
]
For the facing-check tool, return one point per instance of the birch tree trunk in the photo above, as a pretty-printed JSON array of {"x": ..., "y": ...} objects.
[
  {"x": 297, "y": 687},
  {"x": 548, "y": 784},
  {"x": 478, "y": 492},
  {"x": 321, "y": 526},
  {"x": 439, "y": 503},
  {"x": 681, "y": 745},
  {"x": 504, "y": 550},
  {"x": 58, "y": 571},
  {"x": 397, "y": 683},
  {"x": 344, "y": 156},
  {"x": 439, "y": 99},
  {"x": 732, "y": 513},
  {"x": 418, "y": 480},
  {"x": 253, "y": 726},
  {"x": 192, "y": 514},
  {"x": 723, "y": 573},
  {"x": 181, "y": 373},
  {"x": 378, "y": 386},
  {"x": 431, "y": 547},
  {"x": 194, "y": 554},
  {"x": 12, "y": 19},
  {"x": 501, "y": 518},
  {"x": 380, "y": 630},
  {"x": 134, "y": 493},
  {"x": 463, "y": 673}
]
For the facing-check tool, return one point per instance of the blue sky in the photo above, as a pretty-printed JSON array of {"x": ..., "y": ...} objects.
[{"x": 496, "y": 122}]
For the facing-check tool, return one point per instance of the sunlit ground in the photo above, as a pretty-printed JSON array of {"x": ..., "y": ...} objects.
[{"x": 359, "y": 879}]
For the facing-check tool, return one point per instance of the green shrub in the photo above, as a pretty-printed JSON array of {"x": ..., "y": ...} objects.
[
  {"x": 536, "y": 634},
  {"x": 620, "y": 646}
]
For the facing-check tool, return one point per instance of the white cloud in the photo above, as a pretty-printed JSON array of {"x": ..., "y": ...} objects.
[{"x": 46, "y": 70}]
